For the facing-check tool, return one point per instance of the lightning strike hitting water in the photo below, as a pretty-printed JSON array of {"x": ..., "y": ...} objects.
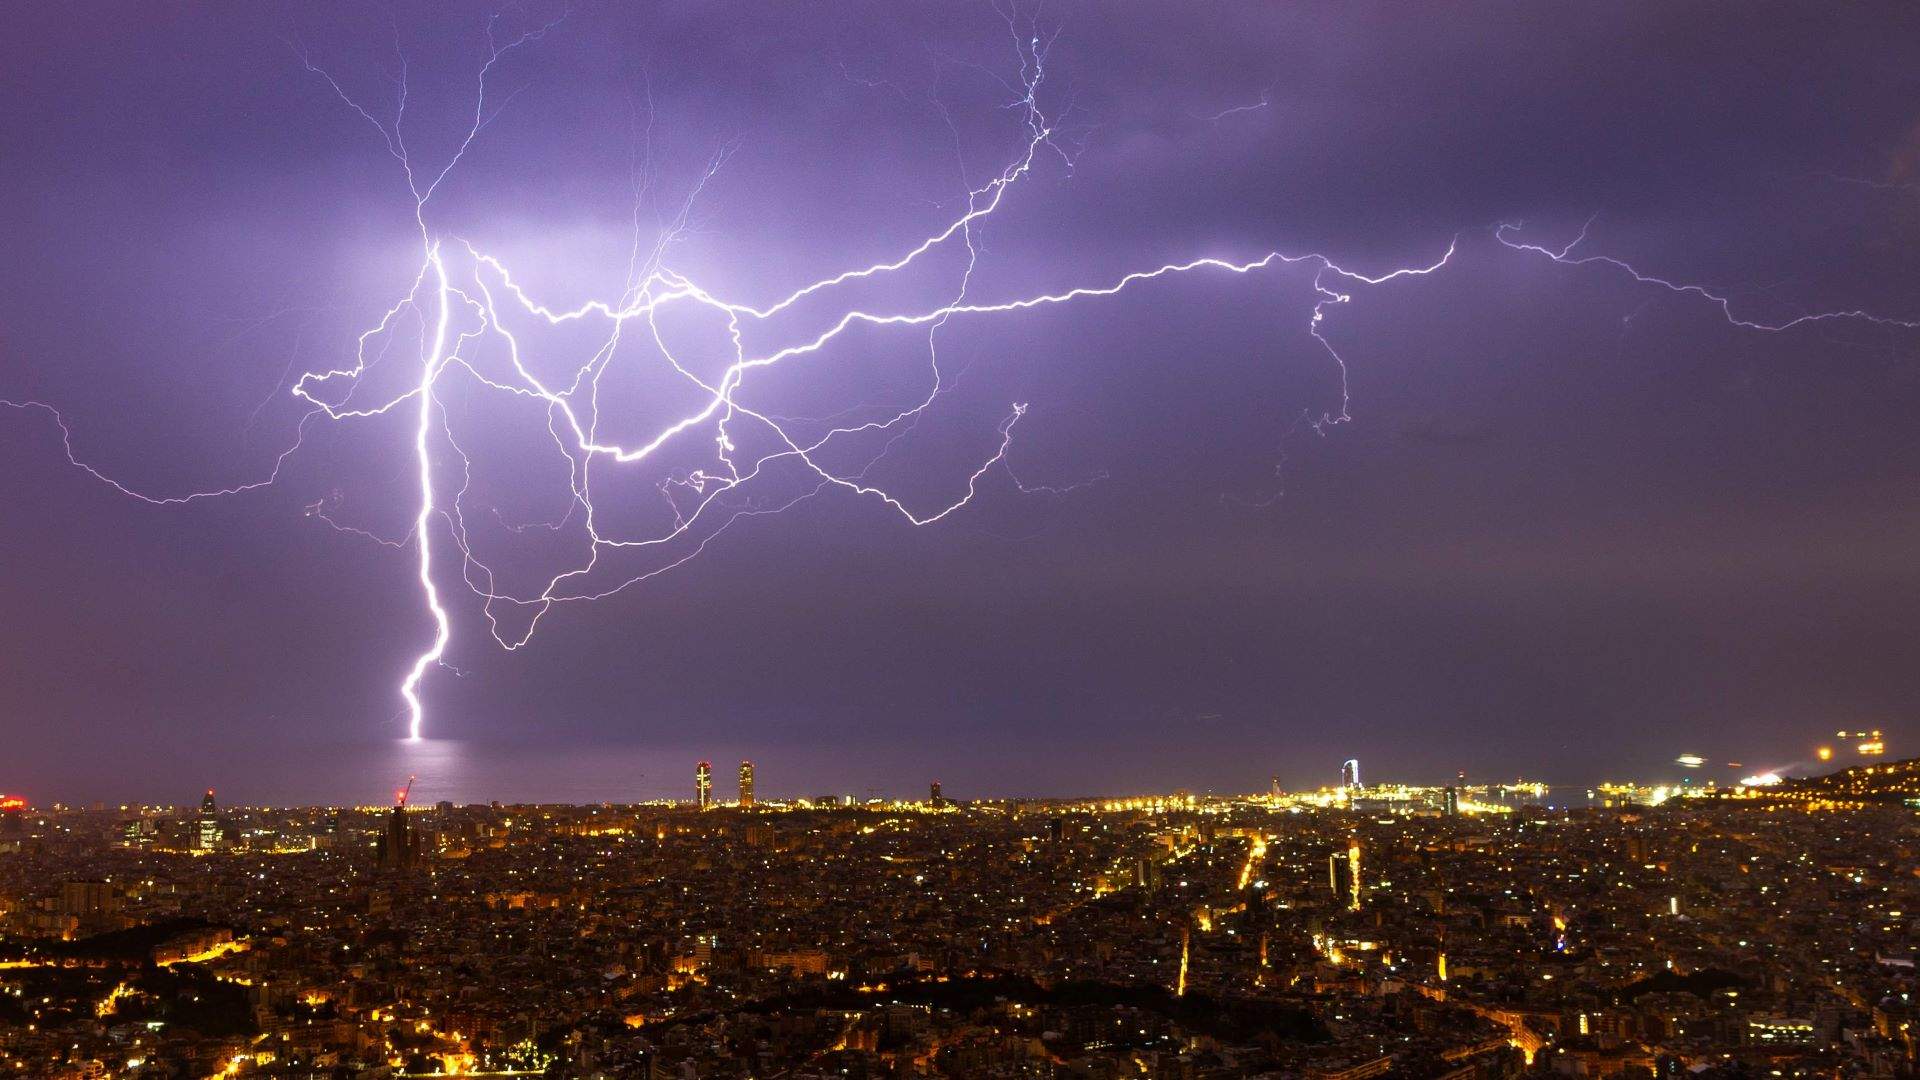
[{"x": 468, "y": 301}]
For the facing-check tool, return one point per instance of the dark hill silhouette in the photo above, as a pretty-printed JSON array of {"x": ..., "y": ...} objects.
[{"x": 1881, "y": 781}]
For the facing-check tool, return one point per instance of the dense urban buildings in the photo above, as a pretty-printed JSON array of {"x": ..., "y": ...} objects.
[{"x": 1464, "y": 932}]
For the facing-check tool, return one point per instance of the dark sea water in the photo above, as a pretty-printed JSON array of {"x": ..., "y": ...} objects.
[
  {"x": 171, "y": 766},
  {"x": 462, "y": 771},
  {"x": 554, "y": 771}
]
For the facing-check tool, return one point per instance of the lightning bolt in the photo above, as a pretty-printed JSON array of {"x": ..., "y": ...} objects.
[
  {"x": 466, "y": 300},
  {"x": 1266, "y": 99},
  {"x": 1506, "y": 233}
]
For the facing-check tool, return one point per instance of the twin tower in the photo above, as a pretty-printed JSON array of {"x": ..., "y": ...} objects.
[{"x": 703, "y": 784}]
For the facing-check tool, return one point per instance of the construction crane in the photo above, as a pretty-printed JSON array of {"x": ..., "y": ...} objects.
[{"x": 400, "y": 797}]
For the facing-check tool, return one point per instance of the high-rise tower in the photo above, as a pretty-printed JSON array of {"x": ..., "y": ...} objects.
[
  {"x": 703, "y": 784},
  {"x": 399, "y": 847},
  {"x": 1343, "y": 875},
  {"x": 746, "y": 785},
  {"x": 13, "y": 821},
  {"x": 1339, "y": 876},
  {"x": 1350, "y": 774},
  {"x": 207, "y": 832}
]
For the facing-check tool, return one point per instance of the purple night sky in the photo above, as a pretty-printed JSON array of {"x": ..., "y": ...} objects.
[{"x": 1576, "y": 526}]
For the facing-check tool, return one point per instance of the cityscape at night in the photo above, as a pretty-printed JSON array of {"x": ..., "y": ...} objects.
[
  {"x": 598, "y": 539},
  {"x": 1466, "y": 929}
]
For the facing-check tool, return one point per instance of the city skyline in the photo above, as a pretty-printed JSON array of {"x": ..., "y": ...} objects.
[
  {"x": 1345, "y": 935},
  {"x": 535, "y": 773},
  {"x": 1689, "y": 773}
]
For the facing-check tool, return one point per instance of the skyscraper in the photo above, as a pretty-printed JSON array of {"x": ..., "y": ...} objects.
[
  {"x": 703, "y": 784},
  {"x": 746, "y": 785},
  {"x": 13, "y": 820},
  {"x": 399, "y": 847},
  {"x": 934, "y": 796},
  {"x": 1451, "y": 807},
  {"x": 1340, "y": 876},
  {"x": 207, "y": 833},
  {"x": 1343, "y": 875},
  {"x": 1350, "y": 774}
]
